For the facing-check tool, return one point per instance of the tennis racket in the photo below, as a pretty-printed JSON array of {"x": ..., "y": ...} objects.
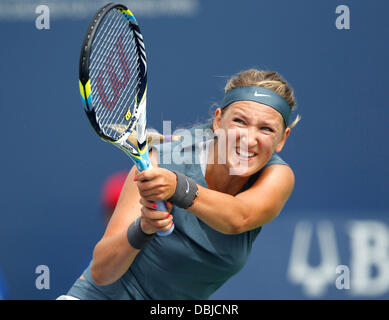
[{"x": 113, "y": 83}]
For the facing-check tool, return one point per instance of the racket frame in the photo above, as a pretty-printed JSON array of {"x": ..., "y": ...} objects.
[
  {"x": 139, "y": 154},
  {"x": 84, "y": 71}
]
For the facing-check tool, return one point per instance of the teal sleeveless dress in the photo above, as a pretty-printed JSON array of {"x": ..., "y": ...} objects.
[{"x": 192, "y": 262}]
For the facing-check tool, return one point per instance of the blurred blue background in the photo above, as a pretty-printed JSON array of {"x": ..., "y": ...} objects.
[{"x": 53, "y": 166}]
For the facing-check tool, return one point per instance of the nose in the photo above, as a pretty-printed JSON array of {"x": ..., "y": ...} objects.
[{"x": 248, "y": 138}]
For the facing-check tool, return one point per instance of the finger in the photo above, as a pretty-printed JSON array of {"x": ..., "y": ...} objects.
[
  {"x": 167, "y": 228},
  {"x": 169, "y": 206},
  {"x": 150, "y": 187},
  {"x": 154, "y": 214},
  {"x": 146, "y": 185},
  {"x": 146, "y": 175},
  {"x": 152, "y": 196},
  {"x": 162, "y": 224},
  {"x": 148, "y": 204},
  {"x": 157, "y": 182}
]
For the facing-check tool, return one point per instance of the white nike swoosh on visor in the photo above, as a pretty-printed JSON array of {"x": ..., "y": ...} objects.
[
  {"x": 260, "y": 94},
  {"x": 187, "y": 189}
]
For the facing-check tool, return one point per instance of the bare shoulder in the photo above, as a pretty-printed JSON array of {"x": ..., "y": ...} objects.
[
  {"x": 277, "y": 173},
  {"x": 265, "y": 199}
]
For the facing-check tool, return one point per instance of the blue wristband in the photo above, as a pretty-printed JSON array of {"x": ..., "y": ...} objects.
[
  {"x": 136, "y": 237},
  {"x": 186, "y": 191}
]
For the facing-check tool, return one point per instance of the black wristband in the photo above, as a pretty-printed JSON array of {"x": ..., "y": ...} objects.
[
  {"x": 186, "y": 191},
  {"x": 136, "y": 237}
]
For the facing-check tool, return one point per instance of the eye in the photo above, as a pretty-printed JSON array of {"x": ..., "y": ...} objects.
[
  {"x": 267, "y": 129},
  {"x": 238, "y": 120}
]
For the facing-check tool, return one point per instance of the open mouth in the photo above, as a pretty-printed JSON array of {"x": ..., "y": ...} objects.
[{"x": 245, "y": 155}]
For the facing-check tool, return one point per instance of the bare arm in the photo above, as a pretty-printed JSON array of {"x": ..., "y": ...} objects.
[
  {"x": 113, "y": 254},
  {"x": 258, "y": 205},
  {"x": 250, "y": 209}
]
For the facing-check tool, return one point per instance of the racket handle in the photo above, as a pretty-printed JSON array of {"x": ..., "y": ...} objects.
[
  {"x": 161, "y": 207},
  {"x": 144, "y": 164}
]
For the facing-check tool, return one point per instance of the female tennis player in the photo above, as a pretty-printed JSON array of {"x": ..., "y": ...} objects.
[{"x": 229, "y": 183}]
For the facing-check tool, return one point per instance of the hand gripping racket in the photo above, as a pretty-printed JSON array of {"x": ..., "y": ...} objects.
[{"x": 113, "y": 83}]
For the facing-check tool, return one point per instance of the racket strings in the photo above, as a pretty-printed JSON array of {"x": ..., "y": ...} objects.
[
  {"x": 107, "y": 117},
  {"x": 114, "y": 72},
  {"x": 108, "y": 32},
  {"x": 113, "y": 65},
  {"x": 133, "y": 81}
]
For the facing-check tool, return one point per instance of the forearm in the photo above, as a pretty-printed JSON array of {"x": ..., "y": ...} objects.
[
  {"x": 222, "y": 212},
  {"x": 112, "y": 257}
]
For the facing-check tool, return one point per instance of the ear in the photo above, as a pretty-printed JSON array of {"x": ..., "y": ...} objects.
[
  {"x": 217, "y": 119},
  {"x": 281, "y": 144}
]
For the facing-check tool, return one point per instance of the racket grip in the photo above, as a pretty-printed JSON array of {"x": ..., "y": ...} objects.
[
  {"x": 161, "y": 207},
  {"x": 143, "y": 163}
]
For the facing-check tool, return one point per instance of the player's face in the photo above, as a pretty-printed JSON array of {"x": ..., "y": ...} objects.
[{"x": 248, "y": 134}]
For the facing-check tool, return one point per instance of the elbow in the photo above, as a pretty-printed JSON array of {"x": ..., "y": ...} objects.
[
  {"x": 238, "y": 224},
  {"x": 236, "y": 219},
  {"x": 97, "y": 276},
  {"x": 239, "y": 227},
  {"x": 99, "y": 272},
  {"x": 242, "y": 220},
  {"x": 245, "y": 221}
]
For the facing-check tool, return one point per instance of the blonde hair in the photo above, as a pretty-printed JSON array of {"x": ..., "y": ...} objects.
[{"x": 266, "y": 79}]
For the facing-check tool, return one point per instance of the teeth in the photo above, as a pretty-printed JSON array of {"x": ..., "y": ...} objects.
[{"x": 245, "y": 154}]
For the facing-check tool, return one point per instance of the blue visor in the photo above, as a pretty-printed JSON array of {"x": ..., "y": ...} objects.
[{"x": 260, "y": 95}]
